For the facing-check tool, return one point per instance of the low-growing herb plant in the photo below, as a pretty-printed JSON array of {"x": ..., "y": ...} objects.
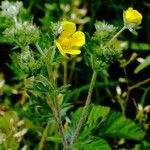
[{"x": 41, "y": 58}]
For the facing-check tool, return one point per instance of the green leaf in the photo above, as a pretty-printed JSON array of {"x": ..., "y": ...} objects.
[
  {"x": 92, "y": 143},
  {"x": 97, "y": 115},
  {"x": 143, "y": 65},
  {"x": 143, "y": 146},
  {"x": 70, "y": 148},
  {"x": 133, "y": 31},
  {"x": 139, "y": 46},
  {"x": 97, "y": 144},
  {"x": 64, "y": 108},
  {"x": 118, "y": 126}
]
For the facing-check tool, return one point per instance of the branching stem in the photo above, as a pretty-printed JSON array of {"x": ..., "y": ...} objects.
[{"x": 55, "y": 109}]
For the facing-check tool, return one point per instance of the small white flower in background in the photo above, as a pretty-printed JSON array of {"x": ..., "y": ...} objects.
[
  {"x": 141, "y": 60},
  {"x": 10, "y": 8},
  {"x": 2, "y": 83},
  {"x": 147, "y": 108},
  {"x": 124, "y": 94},
  {"x": 65, "y": 8},
  {"x": 20, "y": 123},
  {"x": 123, "y": 44},
  {"x": 140, "y": 107},
  {"x": 118, "y": 90},
  {"x": 73, "y": 16},
  {"x": 68, "y": 120},
  {"x": 2, "y": 113},
  {"x": 24, "y": 147},
  {"x": 14, "y": 91},
  {"x": 20, "y": 133},
  {"x": 122, "y": 80},
  {"x": 1, "y": 138},
  {"x": 12, "y": 120}
]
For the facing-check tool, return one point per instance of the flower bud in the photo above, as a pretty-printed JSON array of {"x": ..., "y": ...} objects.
[
  {"x": 132, "y": 18},
  {"x": 24, "y": 34},
  {"x": 10, "y": 9}
]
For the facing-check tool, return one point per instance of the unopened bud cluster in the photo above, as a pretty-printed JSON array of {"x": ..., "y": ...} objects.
[
  {"x": 24, "y": 35},
  {"x": 10, "y": 9},
  {"x": 100, "y": 53},
  {"x": 20, "y": 33}
]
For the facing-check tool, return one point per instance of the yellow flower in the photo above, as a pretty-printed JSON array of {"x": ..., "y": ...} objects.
[
  {"x": 70, "y": 40},
  {"x": 132, "y": 16}
]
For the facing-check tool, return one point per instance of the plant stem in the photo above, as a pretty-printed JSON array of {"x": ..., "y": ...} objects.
[
  {"x": 85, "y": 109},
  {"x": 58, "y": 120},
  {"x": 146, "y": 91},
  {"x": 16, "y": 22},
  {"x": 49, "y": 64},
  {"x": 116, "y": 35},
  {"x": 43, "y": 137},
  {"x": 55, "y": 110},
  {"x": 72, "y": 69},
  {"x": 139, "y": 84},
  {"x": 65, "y": 71}
]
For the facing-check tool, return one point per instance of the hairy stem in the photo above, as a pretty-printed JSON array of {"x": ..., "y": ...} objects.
[
  {"x": 71, "y": 72},
  {"x": 54, "y": 108},
  {"x": 117, "y": 34},
  {"x": 85, "y": 109},
  {"x": 65, "y": 71},
  {"x": 58, "y": 120},
  {"x": 49, "y": 62}
]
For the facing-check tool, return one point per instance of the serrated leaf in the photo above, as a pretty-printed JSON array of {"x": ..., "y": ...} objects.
[
  {"x": 97, "y": 113},
  {"x": 143, "y": 65},
  {"x": 76, "y": 116},
  {"x": 64, "y": 108},
  {"x": 73, "y": 122},
  {"x": 95, "y": 116},
  {"x": 97, "y": 144},
  {"x": 118, "y": 126},
  {"x": 92, "y": 143}
]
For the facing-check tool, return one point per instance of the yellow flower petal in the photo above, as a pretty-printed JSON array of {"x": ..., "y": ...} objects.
[
  {"x": 72, "y": 52},
  {"x": 60, "y": 48},
  {"x": 132, "y": 16},
  {"x": 78, "y": 39},
  {"x": 68, "y": 28},
  {"x": 69, "y": 41}
]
